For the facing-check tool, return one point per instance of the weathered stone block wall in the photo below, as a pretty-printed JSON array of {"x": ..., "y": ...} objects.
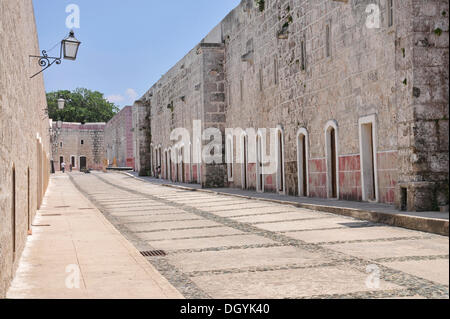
[
  {"x": 365, "y": 75},
  {"x": 141, "y": 136},
  {"x": 193, "y": 90},
  {"x": 119, "y": 139},
  {"x": 24, "y": 133},
  {"x": 428, "y": 188},
  {"x": 355, "y": 81},
  {"x": 279, "y": 72},
  {"x": 79, "y": 140}
]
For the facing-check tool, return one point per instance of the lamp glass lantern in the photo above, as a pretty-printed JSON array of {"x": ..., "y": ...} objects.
[
  {"x": 70, "y": 47},
  {"x": 61, "y": 104}
]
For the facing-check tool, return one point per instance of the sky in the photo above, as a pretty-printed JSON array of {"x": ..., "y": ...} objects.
[{"x": 126, "y": 45}]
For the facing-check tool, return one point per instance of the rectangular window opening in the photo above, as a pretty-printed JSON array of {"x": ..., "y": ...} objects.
[
  {"x": 13, "y": 213},
  {"x": 390, "y": 10},
  {"x": 303, "y": 49},
  {"x": 275, "y": 71},
  {"x": 328, "y": 40}
]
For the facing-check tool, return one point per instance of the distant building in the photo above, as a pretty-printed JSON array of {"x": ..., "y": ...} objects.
[
  {"x": 119, "y": 139},
  {"x": 79, "y": 145}
]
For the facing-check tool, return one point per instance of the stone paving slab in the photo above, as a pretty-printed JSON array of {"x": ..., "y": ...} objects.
[
  {"x": 433, "y": 270},
  {"x": 226, "y": 207},
  {"x": 159, "y": 218},
  {"x": 257, "y": 211},
  {"x": 280, "y": 217},
  {"x": 138, "y": 211},
  {"x": 199, "y": 243},
  {"x": 401, "y": 248},
  {"x": 335, "y": 222},
  {"x": 171, "y": 225},
  {"x": 242, "y": 258},
  {"x": 189, "y": 233},
  {"x": 287, "y": 283},
  {"x": 346, "y": 234}
]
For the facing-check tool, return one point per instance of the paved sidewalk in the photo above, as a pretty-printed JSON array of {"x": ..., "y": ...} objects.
[
  {"x": 79, "y": 237},
  {"x": 433, "y": 222}
]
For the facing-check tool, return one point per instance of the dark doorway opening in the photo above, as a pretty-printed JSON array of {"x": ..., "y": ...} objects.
[
  {"x": 404, "y": 199},
  {"x": 280, "y": 163},
  {"x": 245, "y": 168},
  {"x": 83, "y": 163},
  {"x": 28, "y": 200},
  {"x": 13, "y": 213},
  {"x": 183, "y": 173},
  {"x": 332, "y": 166},
  {"x": 259, "y": 164},
  {"x": 303, "y": 176}
]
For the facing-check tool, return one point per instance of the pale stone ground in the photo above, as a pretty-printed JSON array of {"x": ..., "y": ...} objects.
[
  {"x": 225, "y": 247},
  {"x": 78, "y": 234}
]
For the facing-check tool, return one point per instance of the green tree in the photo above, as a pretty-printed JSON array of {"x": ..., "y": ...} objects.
[{"x": 81, "y": 106}]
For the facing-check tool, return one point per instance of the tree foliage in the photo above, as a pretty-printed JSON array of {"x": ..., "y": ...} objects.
[{"x": 81, "y": 106}]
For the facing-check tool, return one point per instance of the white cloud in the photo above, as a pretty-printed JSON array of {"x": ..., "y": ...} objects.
[
  {"x": 128, "y": 98},
  {"x": 132, "y": 95},
  {"x": 115, "y": 98}
]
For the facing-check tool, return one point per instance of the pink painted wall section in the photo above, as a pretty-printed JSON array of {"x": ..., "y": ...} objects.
[
  {"x": 350, "y": 178},
  {"x": 251, "y": 176},
  {"x": 270, "y": 183},
  {"x": 194, "y": 172},
  {"x": 387, "y": 176},
  {"x": 130, "y": 162},
  {"x": 318, "y": 178}
]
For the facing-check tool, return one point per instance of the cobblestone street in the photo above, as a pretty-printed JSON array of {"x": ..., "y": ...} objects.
[{"x": 223, "y": 247}]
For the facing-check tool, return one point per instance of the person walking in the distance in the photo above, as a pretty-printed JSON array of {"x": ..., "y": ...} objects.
[{"x": 63, "y": 167}]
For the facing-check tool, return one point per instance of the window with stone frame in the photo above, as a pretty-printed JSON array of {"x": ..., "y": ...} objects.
[
  {"x": 275, "y": 71},
  {"x": 303, "y": 53},
  {"x": 328, "y": 40},
  {"x": 390, "y": 12},
  {"x": 242, "y": 89},
  {"x": 261, "y": 78}
]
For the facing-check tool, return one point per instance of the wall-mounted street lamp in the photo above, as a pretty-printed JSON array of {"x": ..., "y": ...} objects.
[
  {"x": 68, "y": 51},
  {"x": 61, "y": 104}
]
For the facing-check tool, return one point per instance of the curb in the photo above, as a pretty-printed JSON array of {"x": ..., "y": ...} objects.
[{"x": 428, "y": 225}]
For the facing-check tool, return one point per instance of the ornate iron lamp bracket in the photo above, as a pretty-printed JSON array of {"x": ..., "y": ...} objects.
[{"x": 46, "y": 61}]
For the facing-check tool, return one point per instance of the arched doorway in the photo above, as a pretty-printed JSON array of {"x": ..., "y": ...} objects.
[
  {"x": 302, "y": 162},
  {"x": 280, "y": 162},
  {"x": 259, "y": 164},
  {"x": 182, "y": 168},
  {"x": 332, "y": 160},
  {"x": 244, "y": 162},
  {"x": 230, "y": 157},
  {"x": 169, "y": 168},
  {"x": 166, "y": 166}
]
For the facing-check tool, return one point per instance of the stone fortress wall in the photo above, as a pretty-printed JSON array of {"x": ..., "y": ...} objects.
[
  {"x": 361, "y": 112},
  {"x": 119, "y": 139},
  {"x": 24, "y": 133}
]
